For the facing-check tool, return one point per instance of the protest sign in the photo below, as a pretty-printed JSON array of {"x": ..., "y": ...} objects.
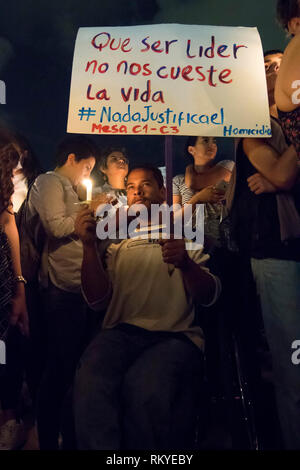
[{"x": 169, "y": 79}]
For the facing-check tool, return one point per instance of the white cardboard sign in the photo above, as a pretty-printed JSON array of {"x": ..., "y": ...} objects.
[{"x": 169, "y": 79}]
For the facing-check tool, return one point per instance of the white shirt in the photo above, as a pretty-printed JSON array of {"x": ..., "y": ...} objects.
[
  {"x": 145, "y": 295},
  {"x": 20, "y": 191}
]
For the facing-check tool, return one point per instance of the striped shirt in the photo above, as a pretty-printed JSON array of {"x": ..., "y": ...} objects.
[{"x": 213, "y": 213}]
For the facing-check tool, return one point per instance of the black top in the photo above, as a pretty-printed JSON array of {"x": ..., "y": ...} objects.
[
  {"x": 290, "y": 122},
  {"x": 7, "y": 283},
  {"x": 255, "y": 221}
]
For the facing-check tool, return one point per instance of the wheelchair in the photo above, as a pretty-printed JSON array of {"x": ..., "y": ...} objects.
[{"x": 240, "y": 411}]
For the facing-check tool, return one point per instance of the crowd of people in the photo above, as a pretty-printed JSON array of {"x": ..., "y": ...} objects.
[{"x": 106, "y": 334}]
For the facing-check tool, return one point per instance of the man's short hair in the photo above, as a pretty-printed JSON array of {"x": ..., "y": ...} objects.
[
  {"x": 286, "y": 10},
  {"x": 81, "y": 146},
  {"x": 157, "y": 174},
  {"x": 273, "y": 52}
]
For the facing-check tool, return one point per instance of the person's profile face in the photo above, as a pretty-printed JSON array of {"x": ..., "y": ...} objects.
[
  {"x": 83, "y": 168},
  {"x": 204, "y": 148},
  {"x": 116, "y": 163},
  {"x": 273, "y": 62},
  {"x": 272, "y": 66}
]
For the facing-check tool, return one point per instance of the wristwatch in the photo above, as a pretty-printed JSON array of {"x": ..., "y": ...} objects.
[{"x": 20, "y": 279}]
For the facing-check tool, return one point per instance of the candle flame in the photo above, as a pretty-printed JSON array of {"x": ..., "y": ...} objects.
[{"x": 87, "y": 183}]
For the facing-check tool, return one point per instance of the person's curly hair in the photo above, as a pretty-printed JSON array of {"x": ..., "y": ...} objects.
[{"x": 9, "y": 158}]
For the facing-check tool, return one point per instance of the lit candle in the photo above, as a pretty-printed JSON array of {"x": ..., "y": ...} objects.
[{"x": 89, "y": 185}]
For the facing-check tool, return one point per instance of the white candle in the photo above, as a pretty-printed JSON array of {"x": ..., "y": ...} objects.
[{"x": 89, "y": 186}]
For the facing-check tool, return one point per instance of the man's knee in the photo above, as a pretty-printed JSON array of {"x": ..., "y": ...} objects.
[{"x": 158, "y": 380}]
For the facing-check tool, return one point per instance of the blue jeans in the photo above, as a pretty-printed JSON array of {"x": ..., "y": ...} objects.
[
  {"x": 137, "y": 389},
  {"x": 278, "y": 285}
]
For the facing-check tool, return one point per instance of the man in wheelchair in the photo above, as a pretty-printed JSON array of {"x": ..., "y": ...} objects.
[{"x": 137, "y": 384}]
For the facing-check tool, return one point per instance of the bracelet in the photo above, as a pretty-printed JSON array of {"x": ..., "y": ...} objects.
[{"x": 20, "y": 279}]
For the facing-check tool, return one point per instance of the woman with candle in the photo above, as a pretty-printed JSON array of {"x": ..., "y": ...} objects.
[{"x": 54, "y": 198}]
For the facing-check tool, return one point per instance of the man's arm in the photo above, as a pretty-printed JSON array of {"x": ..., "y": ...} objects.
[
  {"x": 95, "y": 282},
  {"x": 200, "y": 284},
  {"x": 47, "y": 197},
  {"x": 280, "y": 170}
]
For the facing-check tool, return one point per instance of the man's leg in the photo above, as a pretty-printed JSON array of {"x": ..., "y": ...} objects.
[
  {"x": 97, "y": 387},
  {"x": 66, "y": 324},
  {"x": 36, "y": 356},
  {"x": 278, "y": 283},
  {"x": 161, "y": 395}
]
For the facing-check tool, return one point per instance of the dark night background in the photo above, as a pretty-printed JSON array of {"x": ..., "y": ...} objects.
[{"x": 37, "y": 39}]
